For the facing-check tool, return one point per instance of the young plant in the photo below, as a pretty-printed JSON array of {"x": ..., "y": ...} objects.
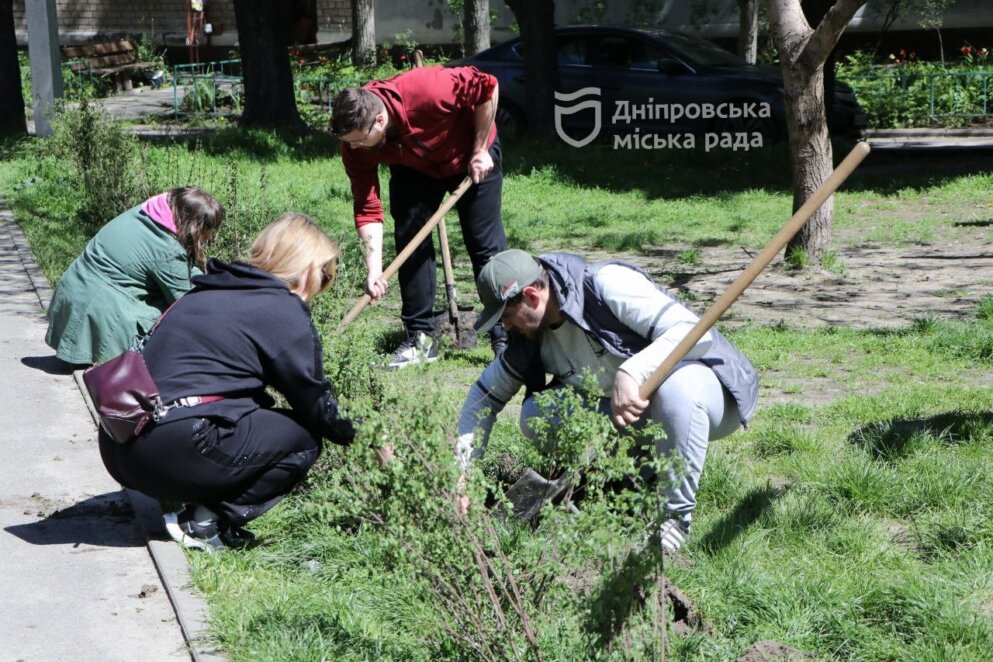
[
  {"x": 830, "y": 261},
  {"x": 797, "y": 259},
  {"x": 984, "y": 311},
  {"x": 691, "y": 256}
]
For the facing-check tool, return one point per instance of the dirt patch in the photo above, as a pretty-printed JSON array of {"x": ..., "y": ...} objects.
[
  {"x": 874, "y": 287},
  {"x": 685, "y": 617},
  {"x": 894, "y": 262},
  {"x": 766, "y": 651}
]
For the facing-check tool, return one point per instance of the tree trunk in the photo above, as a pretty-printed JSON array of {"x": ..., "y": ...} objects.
[
  {"x": 265, "y": 65},
  {"x": 748, "y": 30},
  {"x": 810, "y": 147},
  {"x": 11, "y": 95},
  {"x": 363, "y": 33},
  {"x": 476, "y": 26},
  {"x": 815, "y": 11},
  {"x": 536, "y": 19},
  {"x": 803, "y": 51}
]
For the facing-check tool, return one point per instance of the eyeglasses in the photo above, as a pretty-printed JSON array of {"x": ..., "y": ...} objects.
[
  {"x": 326, "y": 277},
  {"x": 361, "y": 141}
]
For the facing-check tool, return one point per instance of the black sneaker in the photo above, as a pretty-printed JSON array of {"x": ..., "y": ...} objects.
[
  {"x": 236, "y": 537},
  {"x": 182, "y": 528},
  {"x": 416, "y": 348}
]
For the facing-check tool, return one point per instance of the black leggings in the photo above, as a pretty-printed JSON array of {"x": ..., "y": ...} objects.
[
  {"x": 414, "y": 197},
  {"x": 239, "y": 471}
]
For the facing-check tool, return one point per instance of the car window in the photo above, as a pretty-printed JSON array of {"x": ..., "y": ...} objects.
[
  {"x": 702, "y": 51},
  {"x": 614, "y": 51},
  {"x": 570, "y": 50},
  {"x": 647, "y": 56}
]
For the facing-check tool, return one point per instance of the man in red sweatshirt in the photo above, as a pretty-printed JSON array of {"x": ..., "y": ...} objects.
[{"x": 433, "y": 126}]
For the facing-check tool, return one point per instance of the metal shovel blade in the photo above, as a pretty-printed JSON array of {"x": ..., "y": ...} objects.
[{"x": 532, "y": 490}]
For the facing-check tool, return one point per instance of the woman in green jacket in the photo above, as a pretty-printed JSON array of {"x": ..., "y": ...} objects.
[{"x": 129, "y": 273}]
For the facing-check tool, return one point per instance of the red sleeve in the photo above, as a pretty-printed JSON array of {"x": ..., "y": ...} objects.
[
  {"x": 471, "y": 87},
  {"x": 363, "y": 173}
]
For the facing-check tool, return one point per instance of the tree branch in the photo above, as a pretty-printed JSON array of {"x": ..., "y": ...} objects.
[
  {"x": 789, "y": 27},
  {"x": 829, "y": 30}
]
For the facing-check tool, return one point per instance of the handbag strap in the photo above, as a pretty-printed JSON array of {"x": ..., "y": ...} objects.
[{"x": 139, "y": 343}]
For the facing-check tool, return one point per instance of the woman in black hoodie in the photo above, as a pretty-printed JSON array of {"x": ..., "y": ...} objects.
[{"x": 221, "y": 448}]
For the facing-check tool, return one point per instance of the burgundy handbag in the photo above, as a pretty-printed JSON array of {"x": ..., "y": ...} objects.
[
  {"x": 123, "y": 391},
  {"x": 124, "y": 394}
]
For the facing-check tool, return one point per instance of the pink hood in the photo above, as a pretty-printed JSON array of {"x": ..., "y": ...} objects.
[{"x": 158, "y": 210}]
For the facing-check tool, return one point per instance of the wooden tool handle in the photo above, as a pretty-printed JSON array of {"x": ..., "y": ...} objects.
[
  {"x": 446, "y": 262},
  {"x": 411, "y": 246},
  {"x": 761, "y": 261}
]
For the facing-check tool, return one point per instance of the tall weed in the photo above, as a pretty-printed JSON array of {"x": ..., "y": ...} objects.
[{"x": 105, "y": 160}]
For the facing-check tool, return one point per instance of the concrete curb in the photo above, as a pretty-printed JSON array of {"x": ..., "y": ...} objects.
[
  {"x": 168, "y": 558},
  {"x": 170, "y": 562},
  {"x": 37, "y": 277},
  {"x": 928, "y": 133}
]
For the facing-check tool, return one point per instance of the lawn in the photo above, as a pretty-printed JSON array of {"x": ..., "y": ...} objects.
[{"x": 851, "y": 520}]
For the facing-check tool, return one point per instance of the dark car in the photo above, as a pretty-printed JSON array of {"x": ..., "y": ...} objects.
[{"x": 649, "y": 80}]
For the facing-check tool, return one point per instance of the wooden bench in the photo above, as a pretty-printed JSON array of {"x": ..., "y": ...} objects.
[{"x": 110, "y": 59}]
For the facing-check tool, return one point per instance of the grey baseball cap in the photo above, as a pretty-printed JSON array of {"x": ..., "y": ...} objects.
[{"x": 504, "y": 277}]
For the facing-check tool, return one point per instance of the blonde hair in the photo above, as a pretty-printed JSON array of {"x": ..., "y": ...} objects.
[{"x": 294, "y": 245}]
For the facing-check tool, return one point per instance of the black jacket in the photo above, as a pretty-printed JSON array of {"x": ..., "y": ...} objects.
[{"x": 238, "y": 331}]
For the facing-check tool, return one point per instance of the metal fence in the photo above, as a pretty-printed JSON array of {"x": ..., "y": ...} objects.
[
  {"x": 207, "y": 88},
  {"x": 217, "y": 89},
  {"x": 908, "y": 97}
]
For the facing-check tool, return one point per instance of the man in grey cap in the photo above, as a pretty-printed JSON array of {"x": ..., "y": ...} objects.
[{"x": 566, "y": 316}]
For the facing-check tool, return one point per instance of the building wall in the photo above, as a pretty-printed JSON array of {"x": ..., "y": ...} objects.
[
  {"x": 432, "y": 22},
  {"x": 163, "y": 21},
  {"x": 334, "y": 20}
]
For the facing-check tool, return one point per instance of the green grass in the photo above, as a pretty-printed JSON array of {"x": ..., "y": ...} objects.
[{"x": 850, "y": 526}]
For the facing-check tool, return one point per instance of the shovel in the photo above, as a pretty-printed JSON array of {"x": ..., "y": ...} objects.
[
  {"x": 398, "y": 261},
  {"x": 530, "y": 492},
  {"x": 458, "y": 324},
  {"x": 761, "y": 261}
]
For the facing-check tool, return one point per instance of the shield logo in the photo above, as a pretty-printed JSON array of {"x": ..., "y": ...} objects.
[{"x": 592, "y": 103}]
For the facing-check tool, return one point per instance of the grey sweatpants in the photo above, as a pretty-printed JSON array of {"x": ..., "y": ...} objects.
[{"x": 693, "y": 408}]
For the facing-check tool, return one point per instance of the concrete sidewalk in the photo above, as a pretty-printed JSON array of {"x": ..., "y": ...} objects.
[
  {"x": 81, "y": 579},
  {"x": 929, "y": 139}
]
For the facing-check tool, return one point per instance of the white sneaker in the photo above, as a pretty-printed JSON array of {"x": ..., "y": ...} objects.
[
  {"x": 184, "y": 529},
  {"x": 672, "y": 534},
  {"x": 415, "y": 349}
]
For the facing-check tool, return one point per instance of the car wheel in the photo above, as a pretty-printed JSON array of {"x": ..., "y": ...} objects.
[{"x": 509, "y": 120}]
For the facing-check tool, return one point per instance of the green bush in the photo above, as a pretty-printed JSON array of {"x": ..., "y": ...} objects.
[
  {"x": 585, "y": 584},
  {"x": 106, "y": 162},
  {"x": 907, "y": 92},
  {"x": 76, "y": 86}
]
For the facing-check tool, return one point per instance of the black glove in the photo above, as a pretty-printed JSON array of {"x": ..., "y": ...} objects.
[
  {"x": 339, "y": 430},
  {"x": 342, "y": 432}
]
